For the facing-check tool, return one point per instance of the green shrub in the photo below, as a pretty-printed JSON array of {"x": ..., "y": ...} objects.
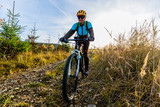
[
  {"x": 64, "y": 47},
  {"x": 11, "y": 47}
]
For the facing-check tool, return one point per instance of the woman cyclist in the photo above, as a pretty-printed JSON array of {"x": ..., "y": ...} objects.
[{"x": 84, "y": 30}]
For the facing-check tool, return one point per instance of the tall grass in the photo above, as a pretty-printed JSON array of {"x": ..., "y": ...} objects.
[
  {"x": 130, "y": 69},
  {"x": 30, "y": 60}
]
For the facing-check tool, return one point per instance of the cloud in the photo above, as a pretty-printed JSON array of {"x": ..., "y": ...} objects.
[
  {"x": 56, "y": 4},
  {"x": 115, "y": 21}
]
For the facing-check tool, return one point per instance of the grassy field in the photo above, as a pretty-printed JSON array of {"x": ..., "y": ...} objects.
[{"x": 126, "y": 73}]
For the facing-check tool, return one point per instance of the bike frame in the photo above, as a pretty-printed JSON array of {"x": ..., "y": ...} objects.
[{"x": 78, "y": 53}]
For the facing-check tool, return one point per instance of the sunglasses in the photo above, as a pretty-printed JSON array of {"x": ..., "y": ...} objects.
[{"x": 82, "y": 17}]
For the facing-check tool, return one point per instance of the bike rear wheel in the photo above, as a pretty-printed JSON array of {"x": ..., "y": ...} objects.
[{"x": 69, "y": 84}]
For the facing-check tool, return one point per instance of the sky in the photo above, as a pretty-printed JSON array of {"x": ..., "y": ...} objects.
[{"x": 54, "y": 18}]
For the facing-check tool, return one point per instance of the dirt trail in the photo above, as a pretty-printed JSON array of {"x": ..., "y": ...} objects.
[
  {"x": 34, "y": 88},
  {"x": 27, "y": 76}
]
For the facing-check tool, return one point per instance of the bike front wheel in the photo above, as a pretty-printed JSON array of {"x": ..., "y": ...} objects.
[{"x": 69, "y": 84}]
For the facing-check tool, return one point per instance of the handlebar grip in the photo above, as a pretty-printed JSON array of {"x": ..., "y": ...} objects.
[{"x": 66, "y": 40}]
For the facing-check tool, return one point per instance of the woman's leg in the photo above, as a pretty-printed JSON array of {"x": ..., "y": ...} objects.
[{"x": 85, "y": 54}]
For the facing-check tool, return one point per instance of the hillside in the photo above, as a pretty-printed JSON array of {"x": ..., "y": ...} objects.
[
  {"x": 112, "y": 81},
  {"x": 126, "y": 73}
]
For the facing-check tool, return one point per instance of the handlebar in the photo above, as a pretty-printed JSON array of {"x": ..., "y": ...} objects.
[{"x": 77, "y": 40}]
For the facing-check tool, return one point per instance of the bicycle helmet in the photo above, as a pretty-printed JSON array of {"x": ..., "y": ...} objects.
[{"x": 81, "y": 13}]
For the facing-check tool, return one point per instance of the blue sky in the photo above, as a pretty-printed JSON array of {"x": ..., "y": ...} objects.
[{"x": 56, "y": 17}]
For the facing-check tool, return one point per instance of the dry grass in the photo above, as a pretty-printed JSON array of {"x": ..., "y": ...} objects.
[
  {"x": 129, "y": 69},
  {"x": 30, "y": 60}
]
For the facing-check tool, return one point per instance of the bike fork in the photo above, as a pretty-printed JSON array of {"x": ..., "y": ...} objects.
[
  {"x": 78, "y": 68},
  {"x": 78, "y": 63},
  {"x": 77, "y": 71}
]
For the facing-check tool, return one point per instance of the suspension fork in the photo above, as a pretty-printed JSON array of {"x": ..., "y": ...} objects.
[{"x": 78, "y": 57}]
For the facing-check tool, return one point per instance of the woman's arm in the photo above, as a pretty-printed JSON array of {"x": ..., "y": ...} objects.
[
  {"x": 91, "y": 38},
  {"x": 69, "y": 34}
]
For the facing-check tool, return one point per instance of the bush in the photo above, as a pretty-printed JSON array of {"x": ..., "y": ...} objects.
[
  {"x": 51, "y": 47},
  {"x": 64, "y": 47},
  {"x": 11, "y": 47}
]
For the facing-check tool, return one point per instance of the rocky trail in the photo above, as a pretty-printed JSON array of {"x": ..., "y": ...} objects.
[
  {"x": 30, "y": 88},
  {"x": 33, "y": 87}
]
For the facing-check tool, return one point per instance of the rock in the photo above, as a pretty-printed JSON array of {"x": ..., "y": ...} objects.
[
  {"x": 13, "y": 81},
  {"x": 90, "y": 90},
  {"x": 3, "y": 91},
  {"x": 12, "y": 96},
  {"x": 17, "y": 88}
]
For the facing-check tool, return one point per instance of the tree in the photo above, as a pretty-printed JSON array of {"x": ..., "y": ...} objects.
[
  {"x": 9, "y": 38},
  {"x": 11, "y": 28},
  {"x": 32, "y": 37}
]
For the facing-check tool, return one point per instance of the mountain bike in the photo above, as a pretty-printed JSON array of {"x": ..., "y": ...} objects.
[{"x": 73, "y": 66}]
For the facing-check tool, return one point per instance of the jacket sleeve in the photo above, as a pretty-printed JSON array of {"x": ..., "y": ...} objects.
[
  {"x": 69, "y": 34},
  {"x": 91, "y": 38}
]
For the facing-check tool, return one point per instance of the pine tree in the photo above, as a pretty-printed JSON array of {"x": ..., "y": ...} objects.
[
  {"x": 32, "y": 37},
  {"x": 10, "y": 43},
  {"x": 11, "y": 28}
]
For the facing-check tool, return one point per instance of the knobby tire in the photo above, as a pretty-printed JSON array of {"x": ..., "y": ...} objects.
[{"x": 66, "y": 97}]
